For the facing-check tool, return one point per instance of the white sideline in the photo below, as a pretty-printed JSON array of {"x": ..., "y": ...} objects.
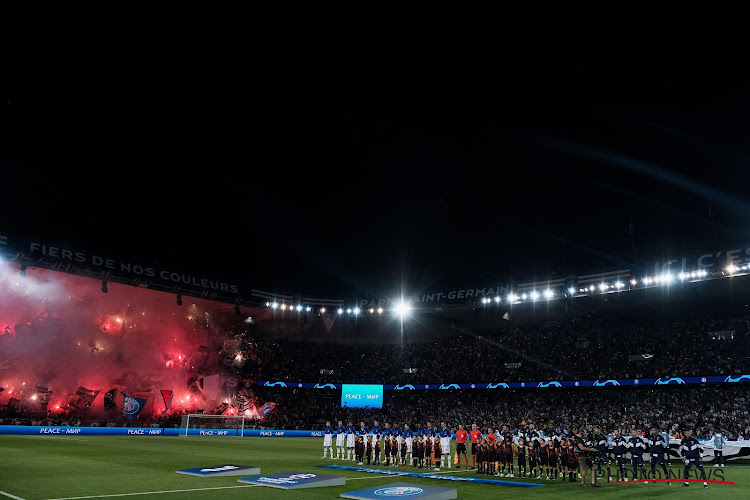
[
  {"x": 10, "y": 496},
  {"x": 153, "y": 492}
]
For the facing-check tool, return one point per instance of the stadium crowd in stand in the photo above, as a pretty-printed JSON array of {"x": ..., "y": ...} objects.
[
  {"x": 669, "y": 407},
  {"x": 548, "y": 351},
  {"x": 583, "y": 348},
  {"x": 704, "y": 409}
]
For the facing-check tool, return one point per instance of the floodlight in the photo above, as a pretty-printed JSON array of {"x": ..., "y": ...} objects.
[{"x": 402, "y": 308}]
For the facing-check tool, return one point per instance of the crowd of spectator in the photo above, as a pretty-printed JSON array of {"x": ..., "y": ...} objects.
[
  {"x": 583, "y": 348},
  {"x": 672, "y": 408},
  {"x": 579, "y": 348}
]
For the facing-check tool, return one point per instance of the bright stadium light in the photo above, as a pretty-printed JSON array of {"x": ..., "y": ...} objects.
[
  {"x": 380, "y": 310},
  {"x": 619, "y": 284},
  {"x": 497, "y": 298},
  {"x": 548, "y": 294},
  {"x": 602, "y": 287},
  {"x": 534, "y": 295},
  {"x": 356, "y": 311},
  {"x": 731, "y": 269},
  {"x": 299, "y": 307},
  {"x": 571, "y": 291},
  {"x": 591, "y": 288},
  {"x": 340, "y": 311},
  {"x": 512, "y": 298},
  {"x": 523, "y": 296},
  {"x": 349, "y": 311},
  {"x": 402, "y": 308},
  {"x": 274, "y": 305},
  {"x": 633, "y": 282}
]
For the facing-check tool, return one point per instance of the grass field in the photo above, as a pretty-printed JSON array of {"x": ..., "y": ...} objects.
[{"x": 67, "y": 467}]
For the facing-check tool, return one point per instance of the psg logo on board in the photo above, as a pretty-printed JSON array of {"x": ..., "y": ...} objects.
[
  {"x": 398, "y": 491},
  {"x": 130, "y": 406}
]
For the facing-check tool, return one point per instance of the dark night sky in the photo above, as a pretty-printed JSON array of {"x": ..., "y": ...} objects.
[{"x": 332, "y": 149}]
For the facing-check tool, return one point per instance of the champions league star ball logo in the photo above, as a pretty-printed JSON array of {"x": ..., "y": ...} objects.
[
  {"x": 275, "y": 384},
  {"x": 603, "y": 383},
  {"x": 498, "y": 385},
  {"x": 550, "y": 384},
  {"x": 398, "y": 491},
  {"x": 669, "y": 380}
]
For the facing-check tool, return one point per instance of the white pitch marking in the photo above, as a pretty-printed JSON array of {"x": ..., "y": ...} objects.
[
  {"x": 153, "y": 492},
  {"x": 10, "y": 496}
]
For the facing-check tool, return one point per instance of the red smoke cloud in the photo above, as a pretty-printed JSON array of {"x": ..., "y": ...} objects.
[{"x": 61, "y": 332}]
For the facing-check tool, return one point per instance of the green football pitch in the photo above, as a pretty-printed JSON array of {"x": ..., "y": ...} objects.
[{"x": 80, "y": 467}]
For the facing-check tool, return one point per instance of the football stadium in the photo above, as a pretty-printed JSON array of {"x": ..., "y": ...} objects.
[
  {"x": 320, "y": 250},
  {"x": 141, "y": 381}
]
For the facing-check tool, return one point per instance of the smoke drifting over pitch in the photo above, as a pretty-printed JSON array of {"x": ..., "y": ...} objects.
[{"x": 61, "y": 332}]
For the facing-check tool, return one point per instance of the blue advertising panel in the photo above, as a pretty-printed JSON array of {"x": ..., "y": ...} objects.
[
  {"x": 148, "y": 431},
  {"x": 294, "y": 480},
  {"x": 711, "y": 379},
  {"x": 362, "y": 396},
  {"x": 442, "y": 477},
  {"x": 402, "y": 490}
]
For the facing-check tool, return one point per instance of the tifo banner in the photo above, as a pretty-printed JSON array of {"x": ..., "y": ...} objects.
[
  {"x": 132, "y": 407},
  {"x": 166, "y": 395},
  {"x": 266, "y": 410},
  {"x": 43, "y": 396},
  {"x": 713, "y": 379},
  {"x": 248, "y": 408},
  {"x": 109, "y": 399},
  {"x": 83, "y": 398}
]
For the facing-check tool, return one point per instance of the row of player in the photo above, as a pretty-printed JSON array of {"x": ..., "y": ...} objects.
[{"x": 493, "y": 452}]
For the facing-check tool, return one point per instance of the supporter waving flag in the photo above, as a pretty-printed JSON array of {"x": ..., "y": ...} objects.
[{"x": 132, "y": 407}]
